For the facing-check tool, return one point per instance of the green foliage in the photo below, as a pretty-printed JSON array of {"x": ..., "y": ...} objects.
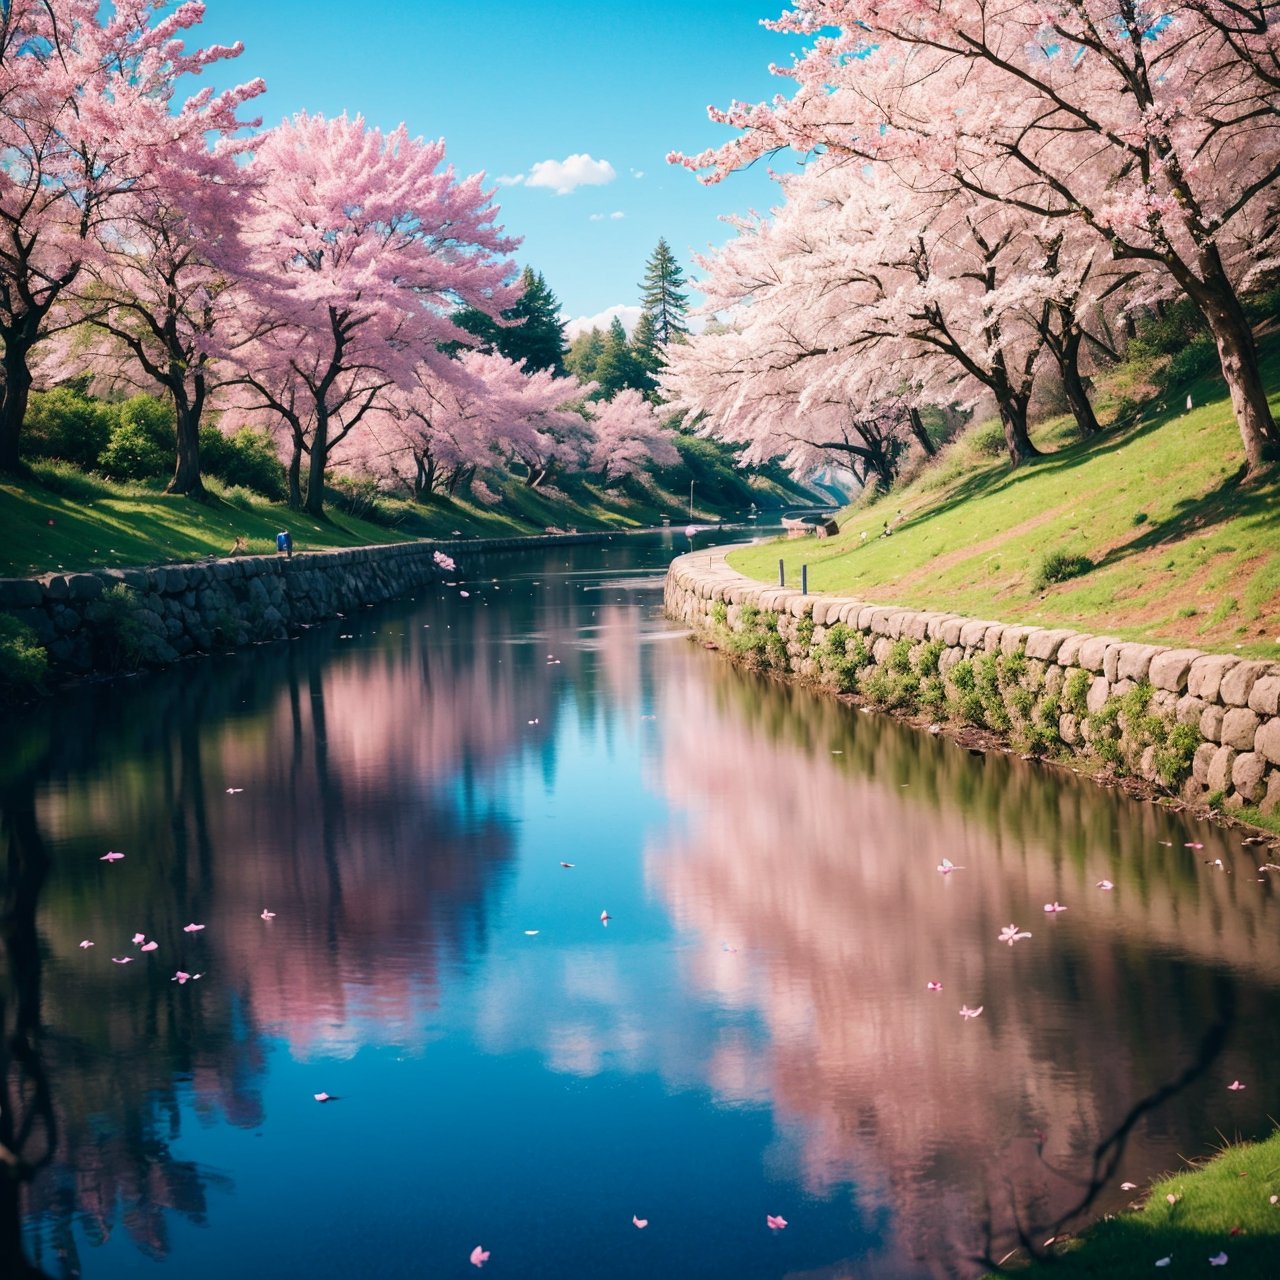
[
  {"x": 928, "y": 657},
  {"x": 115, "y": 630},
  {"x": 141, "y": 445},
  {"x": 65, "y": 423},
  {"x": 1173, "y": 760},
  {"x": 804, "y": 631},
  {"x": 843, "y": 655},
  {"x": 536, "y": 334},
  {"x": 247, "y": 459},
  {"x": 719, "y": 613},
  {"x": 662, "y": 297},
  {"x": 584, "y": 354},
  {"x": 963, "y": 677},
  {"x": 899, "y": 659},
  {"x": 1198, "y": 357},
  {"x": 361, "y": 497},
  {"x": 23, "y": 661},
  {"x": 1167, "y": 331},
  {"x": 1074, "y": 697},
  {"x": 1059, "y": 566},
  {"x": 987, "y": 439}
]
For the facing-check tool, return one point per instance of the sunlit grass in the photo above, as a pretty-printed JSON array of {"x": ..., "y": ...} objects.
[
  {"x": 1182, "y": 553},
  {"x": 1226, "y": 1206}
]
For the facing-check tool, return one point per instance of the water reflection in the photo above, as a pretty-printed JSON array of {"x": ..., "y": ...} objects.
[
  {"x": 751, "y": 1032},
  {"x": 814, "y": 834}
]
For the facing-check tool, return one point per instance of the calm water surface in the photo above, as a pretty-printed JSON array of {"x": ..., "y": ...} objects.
[{"x": 749, "y": 1034}]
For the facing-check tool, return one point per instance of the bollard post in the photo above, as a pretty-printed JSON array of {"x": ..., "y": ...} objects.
[
  {"x": 782, "y": 574},
  {"x": 804, "y": 579}
]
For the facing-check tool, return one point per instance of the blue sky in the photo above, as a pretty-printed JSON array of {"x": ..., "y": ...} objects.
[{"x": 513, "y": 83}]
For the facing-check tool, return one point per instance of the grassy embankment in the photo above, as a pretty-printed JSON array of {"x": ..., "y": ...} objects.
[
  {"x": 58, "y": 518},
  {"x": 1164, "y": 544},
  {"x": 1229, "y": 1206}
]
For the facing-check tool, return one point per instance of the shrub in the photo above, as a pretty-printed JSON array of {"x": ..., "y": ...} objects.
[
  {"x": 719, "y": 613},
  {"x": 116, "y": 633},
  {"x": 987, "y": 438},
  {"x": 1174, "y": 759},
  {"x": 1194, "y": 360},
  {"x": 928, "y": 658},
  {"x": 23, "y": 662},
  {"x": 1059, "y": 566},
  {"x": 899, "y": 660},
  {"x": 1075, "y": 692},
  {"x": 141, "y": 445},
  {"x": 65, "y": 423},
  {"x": 247, "y": 459}
]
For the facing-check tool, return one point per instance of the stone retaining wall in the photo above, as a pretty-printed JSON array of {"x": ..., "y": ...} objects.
[
  {"x": 110, "y": 619},
  {"x": 1205, "y": 725}
]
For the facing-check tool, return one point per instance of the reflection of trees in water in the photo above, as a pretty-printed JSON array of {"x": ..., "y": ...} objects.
[
  {"x": 820, "y": 867},
  {"x": 352, "y": 825}
]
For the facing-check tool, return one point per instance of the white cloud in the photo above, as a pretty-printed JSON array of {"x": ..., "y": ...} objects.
[
  {"x": 637, "y": 173},
  {"x": 602, "y": 320},
  {"x": 509, "y": 179},
  {"x": 563, "y": 176},
  {"x": 616, "y": 216}
]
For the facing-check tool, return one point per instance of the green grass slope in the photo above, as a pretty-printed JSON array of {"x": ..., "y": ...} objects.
[
  {"x": 1228, "y": 1206},
  {"x": 1180, "y": 553}
]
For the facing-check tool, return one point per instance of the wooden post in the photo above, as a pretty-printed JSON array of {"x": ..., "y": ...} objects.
[
  {"x": 804, "y": 579},
  {"x": 782, "y": 574}
]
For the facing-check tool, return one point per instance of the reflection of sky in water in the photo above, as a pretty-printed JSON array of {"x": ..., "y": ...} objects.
[{"x": 749, "y": 1034}]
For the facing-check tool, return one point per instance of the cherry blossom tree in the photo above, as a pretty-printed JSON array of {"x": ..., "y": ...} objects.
[
  {"x": 361, "y": 247},
  {"x": 86, "y": 118},
  {"x": 629, "y": 437},
  {"x": 1151, "y": 124},
  {"x": 162, "y": 288}
]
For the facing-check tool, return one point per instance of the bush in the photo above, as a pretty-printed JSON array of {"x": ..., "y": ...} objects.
[
  {"x": 65, "y": 423},
  {"x": 23, "y": 662},
  {"x": 115, "y": 630},
  {"x": 1198, "y": 357},
  {"x": 987, "y": 438},
  {"x": 1059, "y": 566},
  {"x": 142, "y": 443},
  {"x": 247, "y": 459}
]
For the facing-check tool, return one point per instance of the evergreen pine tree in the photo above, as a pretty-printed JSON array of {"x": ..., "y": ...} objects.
[
  {"x": 647, "y": 355},
  {"x": 661, "y": 295},
  {"x": 617, "y": 367},
  {"x": 538, "y": 340},
  {"x": 584, "y": 354}
]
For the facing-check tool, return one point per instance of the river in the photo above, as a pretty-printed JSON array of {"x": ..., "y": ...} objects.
[{"x": 750, "y": 1032}]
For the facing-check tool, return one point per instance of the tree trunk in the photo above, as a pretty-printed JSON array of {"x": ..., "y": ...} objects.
[
  {"x": 1013, "y": 417},
  {"x": 319, "y": 457},
  {"x": 13, "y": 400},
  {"x": 295, "y": 473},
  {"x": 922, "y": 436},
  {"x": 1068, "y": 358},
  {"x": 1238, "y": 355},
  {"x": 186, "y": 475}
]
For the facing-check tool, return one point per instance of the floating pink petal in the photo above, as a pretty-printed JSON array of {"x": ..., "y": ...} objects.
[
  {"x": 324, "y": 1097},
  {"x": 181, "y": 978},
  {"x": 946, "y": 867},
  {"x": 605, "y": 917},
  {"x": 1218, "y": 1260},
  {"x": 268, "y": 915},
  {"x": 1052, "y": 908},
  {"x": 567, "y": 865},
  {"x": 639, "y": 1222},
  {"x": 1164, "y": 1262},
  {"x": 966, "y": 1012},
  {"x": 234, "y": 791},
  {"x": 85, "y": 945},
  {"x": 1011, "y": 934},
  {"x": 1235, "y": 1086},
  {"x": 1193, "y": 844},
  {"x": 1104, "y": 884},
  {"x": 192, "y": 928},
  {"x": 464, "y": 594},
  {"x": 775, "y": 1221},
  {"x": 137, "y": 938},
  {"x": 113, "y": 856},
  {"x": 933, "y": 986},
  {"x": 121, "y": 959},
  {"x": 149, "y": 946},
  {"x": 1128, "y": 1186},
  {"x": 479, "y": 1256}
]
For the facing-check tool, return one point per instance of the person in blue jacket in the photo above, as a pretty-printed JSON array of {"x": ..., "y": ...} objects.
[{"x": 284, "y": 543}]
